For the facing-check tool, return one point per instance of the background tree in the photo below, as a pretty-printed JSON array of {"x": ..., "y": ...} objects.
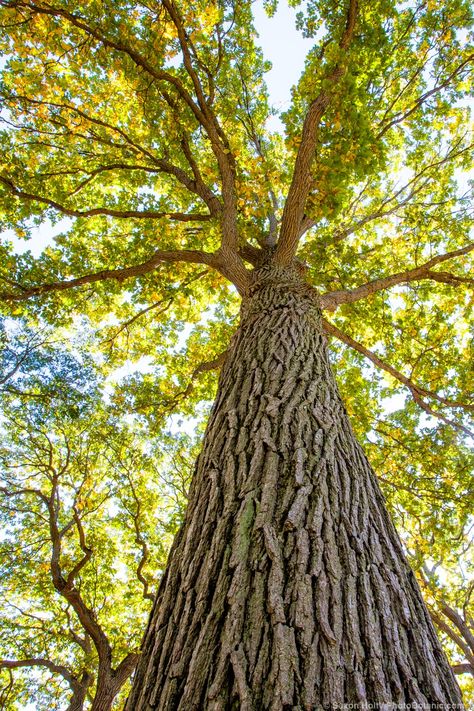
[
  {"x": 145, "y": 124},
  {"x": 82, "y": 544}
]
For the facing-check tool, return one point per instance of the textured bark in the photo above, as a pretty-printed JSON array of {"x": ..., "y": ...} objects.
[
  {"x": 287, "y": 587},
  {"x": 80, "y": 693}
]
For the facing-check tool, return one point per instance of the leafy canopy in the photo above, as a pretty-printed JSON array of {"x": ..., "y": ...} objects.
[
  {"x": 88, "y": 510},
  {"x": 140, "y": 130}
]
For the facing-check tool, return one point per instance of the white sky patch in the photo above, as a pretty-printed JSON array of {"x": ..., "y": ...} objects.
[
  {"x": 393, "y": 403},
  {"x": 145, "y": 364},
  {"x": 41, "y": 237},
  {"x": 286, "y": 48}
]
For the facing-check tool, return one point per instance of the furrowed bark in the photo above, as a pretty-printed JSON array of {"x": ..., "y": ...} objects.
[{"x": 287, "y": 586}]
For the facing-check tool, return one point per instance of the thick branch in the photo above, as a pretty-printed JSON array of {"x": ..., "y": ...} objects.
[
  {"x": 457, "y": 620},
  {"x": 293, "y": 212},
  {"x": 463, "y": 669},
  {"x": 125, "y": 669},
  {"x": 452, "y": 634},
  {"x": 146, "y": 214},
  {"x": 136, "y": 270},
  {"x": 332, "y": 300}
]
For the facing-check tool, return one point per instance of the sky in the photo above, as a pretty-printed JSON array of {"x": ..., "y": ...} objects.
[{"x": 285, "y": 47}]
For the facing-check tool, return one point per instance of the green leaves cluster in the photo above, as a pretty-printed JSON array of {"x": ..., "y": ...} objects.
[{"x": 84, "y": 491}]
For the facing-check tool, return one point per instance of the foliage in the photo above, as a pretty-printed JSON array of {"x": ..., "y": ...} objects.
[
  {"x": 144, "y": 128},
  {"x": 85, "y": 499}
]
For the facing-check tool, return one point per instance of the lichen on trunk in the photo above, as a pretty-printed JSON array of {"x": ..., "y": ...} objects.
[{"x": 287, "y": 586}]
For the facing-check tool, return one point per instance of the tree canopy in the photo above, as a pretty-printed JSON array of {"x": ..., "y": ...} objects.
[{"x": 140, "y": 131}]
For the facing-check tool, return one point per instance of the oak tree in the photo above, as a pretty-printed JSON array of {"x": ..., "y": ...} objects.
[{"x": 146, "y": 126}]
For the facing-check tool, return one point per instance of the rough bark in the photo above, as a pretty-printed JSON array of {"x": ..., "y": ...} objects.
[
  {"x": 80, "y": 693},
  {"x": 287, "y": 586}
]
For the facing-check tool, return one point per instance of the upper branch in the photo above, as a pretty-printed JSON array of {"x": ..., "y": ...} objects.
[
  {"x": 402, "y": 196},
  {"x": 403, "y": 115},
  {"x": 218, "y": 139},
  {"x": 118, "y": 45},
  {"x": 194, "y": 184},
  {"x": 333, "y": 299},
  {"x": 148, "y": 214},
  {"x": 293, "y": 212}
]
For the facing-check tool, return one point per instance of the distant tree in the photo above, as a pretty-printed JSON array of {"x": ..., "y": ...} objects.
[
  {"x": 145, "y": 124},
  {"x": 81, "y": 545}
]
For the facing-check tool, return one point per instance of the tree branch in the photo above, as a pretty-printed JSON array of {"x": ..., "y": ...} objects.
[
  {"x": 72, "y": 680},
  {"x": 118, "y": 45},
  {"x": 191, "y": 256},
  {"x": 454, "y": 636},
  {"x": 293, "y": 211},
  {"x": 145, "y": 553},
  {"x": 65, "y": 587},
  {"x": 196, "y": 186},
  {"x": 463, "y": 668},
  {"x": 125, "y": 668},
  {"x": 331, "y": 300},
  {"x": 30, "y": 347},
  {"x": 166, "y": 303},
  {"x": 73, "y": 573},
  {"x": 417, "y": 391},
  {"x": 219, "y": 141},
  {"x": 401, "y": 116},
  {"x": 204, "y": 367},
  {"x": 144, "y": 214},
  {"x": 385, "y": 209}
]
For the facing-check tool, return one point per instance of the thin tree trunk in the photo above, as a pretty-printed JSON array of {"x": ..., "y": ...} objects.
[{"x": 287, "y": 587}]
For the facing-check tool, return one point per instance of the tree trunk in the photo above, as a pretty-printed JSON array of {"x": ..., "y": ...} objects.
[
  {"x": 80, "y": 687},
  {"x": 287, "y": 587},
  {"x": 105, "y": 694}
]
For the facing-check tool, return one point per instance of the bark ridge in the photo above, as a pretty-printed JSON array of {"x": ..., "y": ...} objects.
[{"x": 287, "y": 586}]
